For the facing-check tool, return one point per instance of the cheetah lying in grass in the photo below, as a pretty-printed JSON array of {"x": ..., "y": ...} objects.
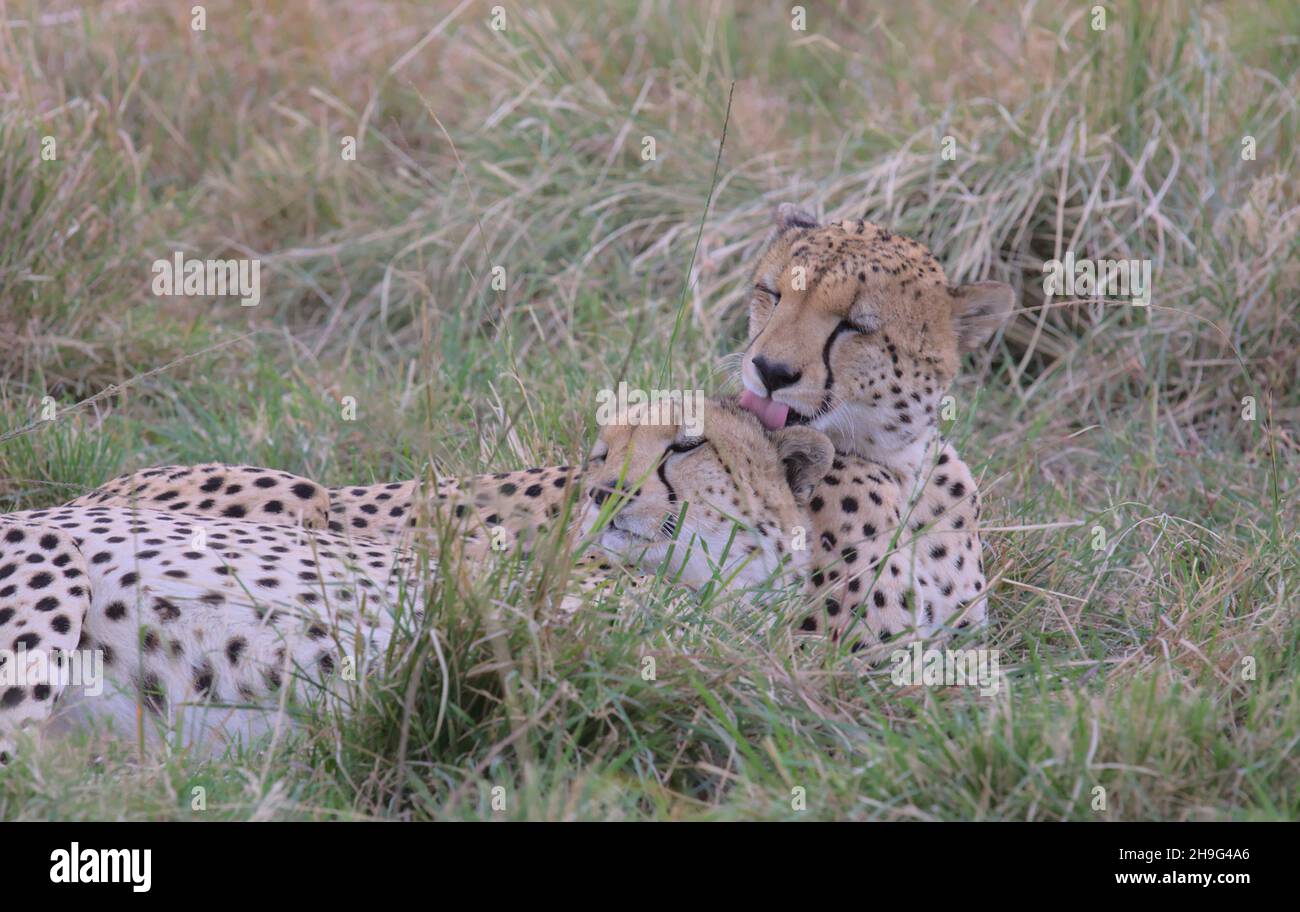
[{"x": 205, "y": 618}]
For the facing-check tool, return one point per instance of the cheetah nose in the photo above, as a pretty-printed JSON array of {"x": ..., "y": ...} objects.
[
  {"x": 601, "y": 492},
  {"x": 775, "y": 376}
]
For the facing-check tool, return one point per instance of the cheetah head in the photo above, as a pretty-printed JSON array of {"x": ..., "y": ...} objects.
[
  {"x": 856, "y": 332},
  {"x": 727, "y": 503}
]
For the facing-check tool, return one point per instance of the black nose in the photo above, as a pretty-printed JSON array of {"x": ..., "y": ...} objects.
[
  {"x": 601, "y": 492},
  {"x": 775, "y": 376}
]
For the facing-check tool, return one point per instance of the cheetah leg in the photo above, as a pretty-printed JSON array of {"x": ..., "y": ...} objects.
[{"x": 44, "y": 597}]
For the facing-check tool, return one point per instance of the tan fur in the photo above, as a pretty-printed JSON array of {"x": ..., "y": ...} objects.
[{"x": 867, "y": 322}]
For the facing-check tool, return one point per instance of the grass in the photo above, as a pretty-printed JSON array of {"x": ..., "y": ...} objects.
[{"x": 1163, "y": 667}]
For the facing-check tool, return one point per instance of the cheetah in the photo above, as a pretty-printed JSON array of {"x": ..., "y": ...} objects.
[
  {"x": 879, "y": 559},
  {"x": 201, "y": 621},
  {"x": 855, "y": 331}
]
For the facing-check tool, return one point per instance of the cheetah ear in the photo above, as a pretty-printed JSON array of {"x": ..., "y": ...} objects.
[
  {"x": 788, "y": 215},
  {"x": 806, "y": 455},
  {"x": 977, "y": 310}
]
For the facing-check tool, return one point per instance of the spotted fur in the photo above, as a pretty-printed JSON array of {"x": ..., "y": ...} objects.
[
  {"x": 215, "y": 489},
  {"x": 857, "y": 330}
]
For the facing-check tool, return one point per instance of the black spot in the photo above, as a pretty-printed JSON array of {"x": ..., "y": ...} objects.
[
  {"x": 234, "y": 511},
  {"x": 167, "y": 611},
  {"x": 534, "y": 491},
  {"x": 14, "y": 536},
  {"x": 850, "y": 504},
  {"x": 40, "y": 580},
  {"x": 234, "y": 648},
  {"x": 265, "y": 482},
  {"x": 61, "y": 624},
  {"x": 49, "y": 541},
  {"x": 153, "y": 694},
  {"x": 304, "y": 490},
  {"x": 49, "y": 603},
  {"x": 203, "y": 678},
  {"x": 12, "y": 697},
  {"x": 115, "y": 611},
  {"x": 27, "y": 641}
]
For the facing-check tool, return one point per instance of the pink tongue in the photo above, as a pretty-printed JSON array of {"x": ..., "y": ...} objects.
[{"x": 772, "y": 414}]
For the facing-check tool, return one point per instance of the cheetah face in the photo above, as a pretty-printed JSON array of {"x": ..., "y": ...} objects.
[
  {"x": 854, "y": 331},
  {"x": 723, "y": 504}
]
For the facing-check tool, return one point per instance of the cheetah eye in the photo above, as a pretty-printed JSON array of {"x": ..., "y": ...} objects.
[
  {"x": 770, "y": 292},
  {"x": 853, "y": 326},
  {"x": 599, "y": 452},
  {"x": 685, "y": 445}
]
